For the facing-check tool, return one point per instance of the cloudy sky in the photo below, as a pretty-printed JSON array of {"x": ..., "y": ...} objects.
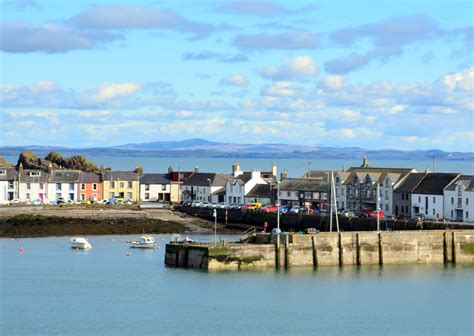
[{"x": 374, "y": 74}]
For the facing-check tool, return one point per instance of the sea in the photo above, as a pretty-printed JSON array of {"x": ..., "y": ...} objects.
[
  {"x": 48, "y": 289},
  {"x": 294, "y": 167}
]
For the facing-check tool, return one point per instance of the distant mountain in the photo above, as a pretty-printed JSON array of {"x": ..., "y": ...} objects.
[{"x": 205, "y": 148}]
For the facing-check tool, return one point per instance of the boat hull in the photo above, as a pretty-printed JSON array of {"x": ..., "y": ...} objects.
[{"x": 142, "y": 245}]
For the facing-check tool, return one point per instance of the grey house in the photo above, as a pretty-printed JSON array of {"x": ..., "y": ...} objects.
[{"x": 402, "y": 195}]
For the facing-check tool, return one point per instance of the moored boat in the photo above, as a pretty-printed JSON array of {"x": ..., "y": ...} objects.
[
  {"x": 144, "y": 242},
  {"x": 79, "y": 243}
]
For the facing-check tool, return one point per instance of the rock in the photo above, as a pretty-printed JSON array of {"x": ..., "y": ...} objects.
[
  {"x": 31, "y": 161},
  {"x": 57, "y": 161},
  {"x": 4, "y": 163}
]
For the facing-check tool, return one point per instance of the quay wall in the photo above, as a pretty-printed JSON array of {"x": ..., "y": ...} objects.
[
  {"x": 299, "y": 222},
  {"x": 326, "y": 249}
]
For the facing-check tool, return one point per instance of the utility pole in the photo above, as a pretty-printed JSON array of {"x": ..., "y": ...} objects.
[{"x": 377, "y": 208}]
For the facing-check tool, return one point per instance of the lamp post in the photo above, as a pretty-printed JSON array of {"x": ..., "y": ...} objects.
[
  {"x": 278, "y": 205},
  {"x": 210, "y": 182},
  {"x": 214, "y": 213}
]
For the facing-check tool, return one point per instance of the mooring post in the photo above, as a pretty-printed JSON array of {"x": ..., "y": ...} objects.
[
  {"x": 453, "y": 247},
  {"x": 315, "y": 252},
  {"x": 339, "y": 243},
  {"x": 445, "y": 248},
  {"x": 287, "y": 256},
  {"x": 277, "y": 250},
  {"x": 357, "y": 248},
  {"x": 380, "y": 249}
]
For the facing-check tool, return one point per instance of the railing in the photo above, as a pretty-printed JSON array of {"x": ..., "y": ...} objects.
[{"x": 248, "y": 233}]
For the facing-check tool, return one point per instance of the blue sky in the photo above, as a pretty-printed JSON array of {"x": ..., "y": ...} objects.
[{"x": 374, "y": 74}]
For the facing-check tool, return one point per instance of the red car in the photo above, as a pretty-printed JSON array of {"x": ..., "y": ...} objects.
[
  {"x": 270, "y": 208},
  {"x": 377, "y": 214}
]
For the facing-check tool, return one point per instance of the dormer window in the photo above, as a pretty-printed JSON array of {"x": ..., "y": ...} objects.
[
  {"x": 35, "y": 173},
  {"x": 3, "y": 172}
]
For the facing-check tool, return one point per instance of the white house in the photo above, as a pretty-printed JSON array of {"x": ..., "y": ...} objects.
[
  {"x": 341, "y": 189},
  {"x": 65, "y": 184},
  {"x": 200, "y": 186},
  {"x": 428, "y": 196},
  {"x": 240, "y": 185},
  {"x": 8, "y": 185},
  {"x": 32, "y": 185},
  {"x": 459, "y": 199},
  {"x": 155, "y": 187}
]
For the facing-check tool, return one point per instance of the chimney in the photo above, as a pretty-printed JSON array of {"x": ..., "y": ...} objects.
[
  {"x": 50, "y": 168},
  {"x": 196, "y": 169},
  {"x": 365, "y": 163},
  {"x": 283, "y": 175},
  {"x": 274, "y": 169},
  {"x": 20, "y": 169},
  {"x": 170, "y": 170},
  {"x": 236, "y": 169},
  {"x": 255, "y": 174},
  {"x": 139, "y": 170}
]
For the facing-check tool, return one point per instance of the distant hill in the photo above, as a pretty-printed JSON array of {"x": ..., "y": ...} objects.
[{"x": 205, "y": 148}]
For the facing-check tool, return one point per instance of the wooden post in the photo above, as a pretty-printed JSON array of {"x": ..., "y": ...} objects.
[
  {"x": 287, "y": 256},
  {"x": 277, "y": 251},
  {"x": 358, "y": 248},
  {"x": 380, "y": 249},
  {"x": 341, "y": 261},
  {"x": 453, "y": 246},
  {"x": 445, "y": 248},
  {"x": 315, "y": 251}
]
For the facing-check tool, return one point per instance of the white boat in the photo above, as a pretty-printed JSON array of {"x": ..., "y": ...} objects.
[
  {"x": 80, "y": 243},
  {"x": 144, "y": 242}
]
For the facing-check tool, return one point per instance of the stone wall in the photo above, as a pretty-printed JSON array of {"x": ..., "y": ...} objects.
[{"x": 347, "y": 248}]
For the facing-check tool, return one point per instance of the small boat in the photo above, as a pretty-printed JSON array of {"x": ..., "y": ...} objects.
[
  {"x": 79, "y": 243},
  {"x": 144, "y": 242}
]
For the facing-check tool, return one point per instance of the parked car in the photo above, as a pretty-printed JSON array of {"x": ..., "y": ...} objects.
[
  {"x": 377, "y": 214},
  {"x": 363, "y": 214},
  {"x": 187, "y": 203},
  {"x": 60, "y": 200},
  {"x": 251, "y": 206},
  {"x": 419, "y": 217},
  {"x": 347, "y": 213},
  {"x": 195, "y": 204},
  {"x": 296, "y": 209},
  {"x": 284, "y": 209},
  {"x": 204, "y": 204},
  {"x": 235, "y": 206},
  {"x": 269, "y": 208},
  {"x": 221, "y": 205}
]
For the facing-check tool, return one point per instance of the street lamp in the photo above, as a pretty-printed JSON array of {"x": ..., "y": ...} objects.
[
  {"x": 209, "y": 180},
  {"x": 278, "y": 205}
]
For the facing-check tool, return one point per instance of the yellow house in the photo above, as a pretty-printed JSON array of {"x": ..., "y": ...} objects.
[{"x": 124, "y": 184}]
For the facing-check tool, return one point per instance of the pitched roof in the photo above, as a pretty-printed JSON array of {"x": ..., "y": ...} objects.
[
  {"x": 89, "y": 178},
  {"x": 220, "y": 191},
  {"x": 410, "y": 183},
  {"x": 434, "y": 183},
  {"x": 201, "y": 179},
  {"x": 155, "y": 179},
  {"x": 465, "y": 180},
  {"x": 10, "y": 174},
  {"x": 241, "y": 179},
  {"x": 26, "y": 177},
  {"x": 298, "y": 184},
  {"x": 64, "y": 176},
  {"x": 115, "y": 175},
  {"x": 260, "y": 191}
]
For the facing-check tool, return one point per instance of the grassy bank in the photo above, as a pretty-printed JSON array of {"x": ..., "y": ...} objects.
[{"x": 42, "y": 226}]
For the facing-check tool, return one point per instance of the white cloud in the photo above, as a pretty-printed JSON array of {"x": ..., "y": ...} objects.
[
  {"x": 281, "y": 88},
  {"x": 298, "y": 67},
  {"x": 333, "y": 82},
  {"x": 236, "y": 79},
  {"x": 116, "y": 90}
]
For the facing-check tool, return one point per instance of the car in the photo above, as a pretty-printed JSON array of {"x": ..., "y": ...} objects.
[
  {"x": 377, "y": 214},
  {"x": 204, "y": 204},
  {"x": 347, "y": 213},
  {"x": 221, "y": 205},
  {"x": 251, "y": 206},
  {"x": 269, "y": 208},
  {"x": 363, "y": 214},
  {"x": 284, "y": 209},
  {"x": 235, "y": 206},
  {"x": 187, "y": 203},
  {"x": 418, "y": 217},
  {"x": 60, "y": 200},
  {"x": 296, "y": 209},
  {"x": 196, "y": 204}
]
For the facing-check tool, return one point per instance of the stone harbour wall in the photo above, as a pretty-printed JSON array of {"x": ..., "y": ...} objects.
[{"x": 345, "y": 248}]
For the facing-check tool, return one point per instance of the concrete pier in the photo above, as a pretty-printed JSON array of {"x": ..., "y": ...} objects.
[{"x": 345, "y": 248}]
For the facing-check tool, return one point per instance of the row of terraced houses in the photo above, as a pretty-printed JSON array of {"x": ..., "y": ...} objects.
[{"x": 402, "y": 192}]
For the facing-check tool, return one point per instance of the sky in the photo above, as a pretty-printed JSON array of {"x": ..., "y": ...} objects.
[{"x": 371, "y": 74}]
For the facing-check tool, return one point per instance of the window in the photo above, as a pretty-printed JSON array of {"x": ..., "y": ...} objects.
[
  {"x": 452, "y": 200},
  {"x": 163, "y": 187},
  {"x": 83, "y": 186},
  {"x": 28, "y": 186},
  {"x": 129, "y": 195},
  {"x": 419, "y": 199},
  {"x": 111, "y": 195},
  {"x": 41, "y": 186},
  {"x": 342, "y": 191},
  {"x": 58, "y": 195},
  {"x": 112, "y": 184},
  {"x": 130, "y": 184},
  {"x": 316, "y": 195},
  {"x": 147, "y": 187},
  {"x": 386, "y": 183},
  {"x": 35, "y": 173},
  {"x": 467, "y": 201},
  {"x": 434, "y": 200},
  {"x": 386, "y": 207},
  {"x": 147, "y": 196},
  {"x": 307, "y": 195},
  {"x": 342, "y": 204},
  {"x": 403, "y": 196},
  {"x": 28, "y": 196},
  {"x": 434, "y": 212},
  {"x": 71, "y": 186},
  {"x": 386, "y": 194},
  {"x": 94, "y": 186},
  {"x": 3, "y": 172},
  {"x": 467, "y": 214},
  {"x": 122, "y": 185},
  {"x": 11, "y": 185},
  {"x": 451, "y": 214},
  {"x": 58, "y": 186},
  {"x": 83, "y": 197}
]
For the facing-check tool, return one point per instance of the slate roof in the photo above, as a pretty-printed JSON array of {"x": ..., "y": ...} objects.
[
  {"x": 410, "y": 183},
  {"x": 260, "y": 191},
  {"x": 155, "y": 179},
  {"x": 116, "y": 175},
  {"x": 200, "y": 179},
  {"x": 26, "y": 178},
  {"x": 10, "y": 174},
  {"x": 296, "y": 184},
  {"x": 221, "y": 191},
  {"x": 241, "y": 179},
  {"x": 434, "y": 183},
  {"x": 64, "y": 176},
  {"x": 380, "y": 170},
  {"x": 466, "y": 180},
  {"x": 89, "y": 178}
]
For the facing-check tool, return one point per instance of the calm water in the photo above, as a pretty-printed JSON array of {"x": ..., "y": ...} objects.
[
  {"x": 52, "y": 290},
  {"x": 294, "y": 167}
]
